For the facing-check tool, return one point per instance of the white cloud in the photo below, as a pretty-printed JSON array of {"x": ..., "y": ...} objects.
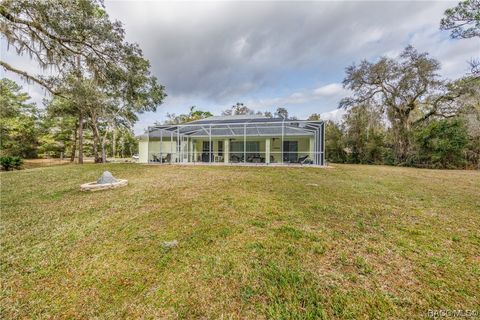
[
  {"x": 329, "y": 90},
  {"x": 334, "y": 115}
]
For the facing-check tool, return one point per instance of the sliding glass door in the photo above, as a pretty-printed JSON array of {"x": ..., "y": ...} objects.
[
  {"x": 206, "y": 151},
  {"x": 290, "y": 151}
]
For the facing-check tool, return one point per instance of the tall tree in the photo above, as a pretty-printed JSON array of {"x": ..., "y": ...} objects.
[
  {"x": 56, "y": 34},
  {"x": 469, "y": 104},
  {"x": 314, "y": 117},
  {"x": 194, "y": 114},
  {"x": 334, "y": 142},
  {"x": 88, "y": 53},
  {"x": 129, "y": 89},
  {"x": 18, "y": 121},
  {"x": 441, "y": 143},
  {"x": 364, "y": 134},
  {"x": 81, "y": 99},
  {"x": 57, "y": 135},
  {"x": 463, "y": 21},
  {"x": 281, "y": 113},
  {"x": 122, "y": 143},
  {"x": 238, "y": 109},
  {"x": 407, "y": 89}
]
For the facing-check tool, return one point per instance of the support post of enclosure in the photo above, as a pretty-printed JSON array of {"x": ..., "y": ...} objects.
[
  {"x": 177, "y": 144},
  {"x": 161, "y": 141},
  {"x": 281, "y": 145},
  {"x": 226, "y": 151},
  {"x": 171, "y": 146},
  {"x": 267, "y": 150},
  {"x": 323, "y": 143},
  {"x": 244, "y": 143},
  {"x": 148, "y": 145},
  {"x": 210, "y": 143}
]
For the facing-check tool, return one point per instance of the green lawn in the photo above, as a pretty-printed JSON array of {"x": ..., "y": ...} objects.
[{"x": 348, "y": 242}]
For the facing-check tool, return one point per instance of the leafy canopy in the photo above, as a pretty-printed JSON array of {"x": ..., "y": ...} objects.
[
  {"x": 18, "y": 121},
  {"x": 193, "y": 115},
  {"x": 463, "y": 21}
]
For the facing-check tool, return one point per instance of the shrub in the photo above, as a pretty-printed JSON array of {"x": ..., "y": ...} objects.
[
  {"x": 441, "y": 144},
  {"x": 8, "y": 163},
  {"x": 17, "y": 162}
]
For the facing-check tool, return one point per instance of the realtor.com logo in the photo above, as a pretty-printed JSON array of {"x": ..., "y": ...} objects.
[{"x": 438, "y": 314}]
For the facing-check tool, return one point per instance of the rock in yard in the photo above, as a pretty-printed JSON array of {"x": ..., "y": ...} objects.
[
  {"x": 170, "y": 244},
  {"x": 106, "y": 177}
]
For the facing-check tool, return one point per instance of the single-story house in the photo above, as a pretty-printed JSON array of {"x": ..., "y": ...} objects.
[{"x": 241, "y": 139}]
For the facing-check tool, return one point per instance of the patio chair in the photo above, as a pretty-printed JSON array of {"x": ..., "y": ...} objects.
[
  {"x": 155, "y": 158},
  {"x": 168, "y": 158},
  {"x": 234, "y": 158},
  {"x": 303, "y": 160}
]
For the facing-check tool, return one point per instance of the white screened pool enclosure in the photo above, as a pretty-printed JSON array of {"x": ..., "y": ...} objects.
[{"x": 246, "y": 139}]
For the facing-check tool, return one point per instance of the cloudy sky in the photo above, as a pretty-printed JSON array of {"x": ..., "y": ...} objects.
[{"x": 273, "y": 54}]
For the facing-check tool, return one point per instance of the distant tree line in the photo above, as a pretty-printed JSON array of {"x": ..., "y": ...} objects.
[
  {"x": 364, "y": 137},
  {"x": 27, "y": 131},
  {"x": 401, "y": 112}
]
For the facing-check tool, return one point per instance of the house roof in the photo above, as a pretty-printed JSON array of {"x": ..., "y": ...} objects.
[{"x": 237, "y": 126}]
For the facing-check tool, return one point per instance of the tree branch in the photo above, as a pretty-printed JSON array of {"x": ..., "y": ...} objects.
[
  {"x": 61, "y": 41},
  {"x": 31, "y": 78}
]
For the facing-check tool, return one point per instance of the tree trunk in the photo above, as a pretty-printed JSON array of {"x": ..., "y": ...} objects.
[
  {"x": 104, "y": 154},
  {"x": 80, "y": 138},
  {"x": 96, "y": 141},
  {"x": 74, "y": 144},
  {"x": 95, "y": 147},
  {"x": 114, "y": 143},
  {"x": 401, "y": 131},
  {"x": 103, "y": 143}
]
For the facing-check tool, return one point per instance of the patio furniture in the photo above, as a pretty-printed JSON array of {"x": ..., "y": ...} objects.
[
  {"x": 168, "y": 158},
  {"x": 206, "y": 157},
  {"x": 256, "y": 158},
  {"x": 234, "y": 158},
  {"x": 304, "y": 160}
]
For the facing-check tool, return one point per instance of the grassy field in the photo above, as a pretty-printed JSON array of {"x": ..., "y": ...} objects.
[{"x": 350, "y": 242}]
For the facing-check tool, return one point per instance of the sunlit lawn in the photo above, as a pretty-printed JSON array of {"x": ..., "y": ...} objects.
[{"x": 303, "y": 243}]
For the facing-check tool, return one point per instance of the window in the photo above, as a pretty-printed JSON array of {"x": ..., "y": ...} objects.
[{"x": 253, "y": 146}]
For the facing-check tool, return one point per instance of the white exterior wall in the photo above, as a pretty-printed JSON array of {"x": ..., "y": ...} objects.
[
  {"x": 167, "y": 147},
  {"x": 143, "y": 151}
]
